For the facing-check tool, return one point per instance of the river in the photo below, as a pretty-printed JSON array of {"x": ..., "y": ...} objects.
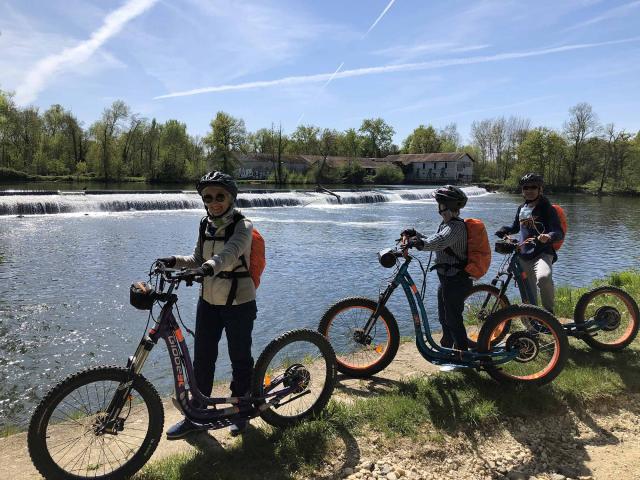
[{"x": 67, "y": 260}]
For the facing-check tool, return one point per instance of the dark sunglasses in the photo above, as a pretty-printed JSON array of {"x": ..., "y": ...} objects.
[
  {"x": 530, "y": 187},
  {"x": 219, "y": 198},
  {"x": 442, "y": 208}
]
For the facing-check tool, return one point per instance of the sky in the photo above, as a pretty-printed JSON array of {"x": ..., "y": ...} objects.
[{"x": 327, "y": 63}]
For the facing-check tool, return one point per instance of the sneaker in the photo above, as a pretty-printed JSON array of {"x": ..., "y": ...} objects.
[
  {"x": 449, "y": 368},
  {"x": 239, "y": 427},
  {"x": 182, "y": 429}
]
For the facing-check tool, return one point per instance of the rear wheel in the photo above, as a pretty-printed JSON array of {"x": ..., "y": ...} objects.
[
  {"x": 297, "y": 370},
  {"x": 614, "y": 311},
  {"x": 69, "y": 437},
  {"x": 535, "y": 338},
  {"x": 357, "y": 354},
  {"x": 481, "y": 301}
]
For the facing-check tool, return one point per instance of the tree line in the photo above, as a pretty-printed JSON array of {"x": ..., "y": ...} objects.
[{"x": 123, "y": 144}]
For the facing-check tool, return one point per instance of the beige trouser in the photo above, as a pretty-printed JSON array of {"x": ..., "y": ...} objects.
[{"x": 539, "y": 276}]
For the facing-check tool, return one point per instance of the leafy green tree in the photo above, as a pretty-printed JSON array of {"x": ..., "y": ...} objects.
[
  {"x": 226, "y": 140},
  {"x": 305, "y": 140},
  {"x": 105, "y": 131},
  {"x": 543, "y": 151},
  {"x": 174, "y": 148},
  {"x": 7, "y": 126},
  {"x": 378, "y": 137},
  {"x": 349, "y": 143},
  {"x": 422, "y": 140}
]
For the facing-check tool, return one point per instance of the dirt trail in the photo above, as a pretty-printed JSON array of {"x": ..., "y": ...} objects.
[{"x": 600, "y": 445}]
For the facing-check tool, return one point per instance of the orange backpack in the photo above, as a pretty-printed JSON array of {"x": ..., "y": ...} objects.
[
  {"x": 563, "y": 224},
  {"x": 478, "y": 249},
  {"x": 257, "y": 257}
]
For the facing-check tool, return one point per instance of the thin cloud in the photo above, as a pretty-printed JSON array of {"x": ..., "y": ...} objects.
[
  {"x": 46, "y": 68},
  {"x": 497, "y": 107},
  {"x": 612, "y": 13},
  {"x": 359, "y": 72},
  {"x": 405, "y": 51},
  {"x": 384, "y": 12}
]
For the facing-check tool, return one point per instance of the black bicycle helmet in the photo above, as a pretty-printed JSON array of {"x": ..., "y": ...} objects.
[
  {"x": 532, "y": 179},
  {"x": 221, "y": 180},
  {"x": 451, "y": 197}
]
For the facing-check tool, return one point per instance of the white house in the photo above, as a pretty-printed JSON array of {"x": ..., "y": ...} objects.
[{"x": 435, "y": 167}]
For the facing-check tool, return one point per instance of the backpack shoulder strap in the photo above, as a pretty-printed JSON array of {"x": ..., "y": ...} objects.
[
  {"x": 229, "y": 229},
  {"x": 201, "y": 233}
]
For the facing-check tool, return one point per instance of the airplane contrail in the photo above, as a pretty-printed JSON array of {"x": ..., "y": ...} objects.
[
  {"x": 380, "y": 17},
  {"x": 359, "y": 72},
  {"x": 46, "y": 68}
]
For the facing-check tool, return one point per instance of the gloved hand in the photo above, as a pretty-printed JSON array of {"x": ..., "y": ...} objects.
[
  {"x": 207, "y": 270},
  {"x": 409, "y": 232},
  {"x": 415, "y": 242},
  {"x": 168, "y": 262},
  {"x": 501, "y": 233}
]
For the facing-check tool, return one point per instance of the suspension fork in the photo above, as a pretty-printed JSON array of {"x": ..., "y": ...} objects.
[
  {"x": 383, "y": 298},
  {"x": 134, "y": 367}
]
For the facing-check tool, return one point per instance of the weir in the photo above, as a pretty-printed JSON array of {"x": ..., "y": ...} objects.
[{"x": 52, "y": 202}]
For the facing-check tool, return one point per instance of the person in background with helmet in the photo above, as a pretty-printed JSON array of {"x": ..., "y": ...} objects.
[
  {"x": 450, "y": 245},
  {"x": 539, "y": 226},
  {"x": 227, "y": 296}
]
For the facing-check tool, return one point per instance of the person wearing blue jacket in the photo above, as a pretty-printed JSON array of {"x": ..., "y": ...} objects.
[{"x": 539, "y": 227}]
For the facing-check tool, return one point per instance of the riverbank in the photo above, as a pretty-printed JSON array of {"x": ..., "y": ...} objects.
[{"x": 412, "y": 422}]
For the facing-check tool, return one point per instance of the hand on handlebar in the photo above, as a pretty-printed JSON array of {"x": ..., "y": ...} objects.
[
  {"x": 544, "y": 238},
  {"x": 205, "y": 270},
  {"x": 414, "y": 242},
  {"x": 502, "y": 233},
  {"x": 168, "y": 262}
]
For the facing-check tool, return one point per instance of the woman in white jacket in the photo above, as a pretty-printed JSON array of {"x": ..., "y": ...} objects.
[{"x": 227, "y": 296}]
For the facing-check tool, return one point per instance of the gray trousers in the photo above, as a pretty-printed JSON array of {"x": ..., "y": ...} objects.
[{"x": 539, "y": 276}]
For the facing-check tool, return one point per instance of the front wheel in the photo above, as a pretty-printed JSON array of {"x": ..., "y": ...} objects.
[
  {"x": 535, "y": 339},
  {"x": 69, "y": 437},
  {"x": 298, "y": 371},
  {"x": 614, "y": 311},
  {"x": 359, "y": 354}
]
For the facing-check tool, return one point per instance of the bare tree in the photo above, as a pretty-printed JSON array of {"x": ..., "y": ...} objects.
[{"x": 582, "y": 124}]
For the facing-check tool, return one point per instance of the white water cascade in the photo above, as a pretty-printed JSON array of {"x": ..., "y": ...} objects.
[{"x": 51, "y": 202}]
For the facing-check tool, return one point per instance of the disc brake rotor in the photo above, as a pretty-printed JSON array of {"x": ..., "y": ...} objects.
[
  {"x": 361, "y": 338},
  {"x": 297, "y": 377},
  {"x": 525, "y": 344},
  {"x": 608, "y": 318}
]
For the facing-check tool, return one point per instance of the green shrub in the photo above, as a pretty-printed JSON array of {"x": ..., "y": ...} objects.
[{"x": 388, "y": 174}]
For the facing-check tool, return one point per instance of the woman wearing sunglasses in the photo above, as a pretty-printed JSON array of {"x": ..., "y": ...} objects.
[
  {"x": 539, "y": 226},
  {"x": 228, "y": 295}
]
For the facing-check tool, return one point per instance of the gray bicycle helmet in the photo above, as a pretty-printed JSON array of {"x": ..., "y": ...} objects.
[
  {"x": 451, "y": 197},
  {"x": 219, "y": 179},
  {"x": 532, "y": 179}
]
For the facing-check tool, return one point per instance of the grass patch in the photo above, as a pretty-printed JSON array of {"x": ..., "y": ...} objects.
[
  {"x": 269, "y": 453},
  {"x": 8, "y": 430}
]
